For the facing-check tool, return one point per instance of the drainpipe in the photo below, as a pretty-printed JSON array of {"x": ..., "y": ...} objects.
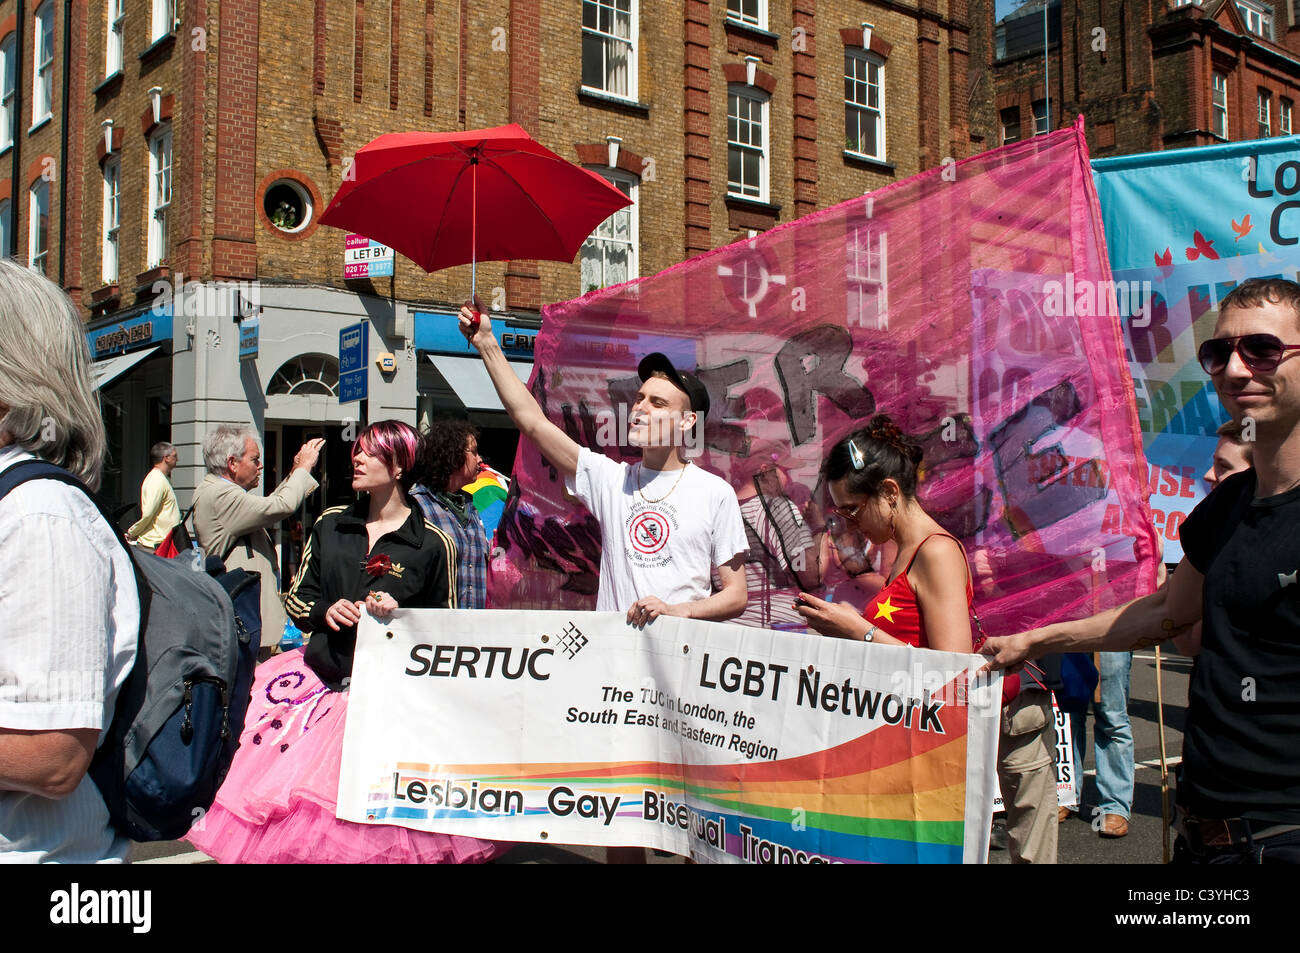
[
  {"x": 15, "y": 159},
  {"x": 63, "y": 145}
]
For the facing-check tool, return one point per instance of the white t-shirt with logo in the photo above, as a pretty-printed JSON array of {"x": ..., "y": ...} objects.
[{"x": 665, "y": 548}]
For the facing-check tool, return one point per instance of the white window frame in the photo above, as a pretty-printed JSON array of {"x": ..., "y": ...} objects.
[
  {"x": 160, "y": 193},
  {"x": 1219, "y": 105},
  {"x": 112, "y": 220},
  {"x": 162, "y": 19},
  {"x": 1002, "y": 123},
  {"x": 756, "y": 97},
  {"x": 6, "y": 226},
  {"x": 1040, "y": 119},
  {"x": 1256, "y": 19},
  {"x": 115, "y": 11},
  {"x": 604, "y": 235},
  {"x": 1264, "y": 111},
  {"x": 867, "y": 60},
  {"x": 611, "y": 40},
  {"x": 736, "y": 13},
  {"x": 8, "y": 88},
  {"x": 867, "y": 273},
  {"x": 42, "y": 65},
  {"x": 1285, "y": 109},
  {"x": 38, "y": 241}
]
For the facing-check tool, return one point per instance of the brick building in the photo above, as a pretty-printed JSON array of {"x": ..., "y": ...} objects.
[
  {"x": 1145, "y": 76},
  {"x": 203, "y": 139}
]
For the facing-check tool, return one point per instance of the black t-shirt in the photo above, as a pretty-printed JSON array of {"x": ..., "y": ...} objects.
[{"x": 1241, "y": 749}]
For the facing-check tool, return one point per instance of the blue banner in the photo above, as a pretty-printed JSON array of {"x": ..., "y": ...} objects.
[{"x": 1183, "y": 228}]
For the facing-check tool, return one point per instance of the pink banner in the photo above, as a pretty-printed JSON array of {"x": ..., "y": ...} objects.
[{"x": 961, "y": 301}]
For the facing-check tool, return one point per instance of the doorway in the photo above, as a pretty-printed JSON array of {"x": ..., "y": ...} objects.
[{"x": 333, "y": 471}]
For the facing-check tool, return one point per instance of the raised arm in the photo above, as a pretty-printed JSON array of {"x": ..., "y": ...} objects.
[
  {"x": 245, "y": 512},
  {"x": 556, "y": 446},
  {"x": 1168, "y": 612}
]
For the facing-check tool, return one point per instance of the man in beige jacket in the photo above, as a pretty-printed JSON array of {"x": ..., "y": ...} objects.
[{"x": 232, "y": 522}]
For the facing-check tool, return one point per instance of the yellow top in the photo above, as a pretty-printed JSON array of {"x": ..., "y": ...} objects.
[{"x": 158, "y": 511}]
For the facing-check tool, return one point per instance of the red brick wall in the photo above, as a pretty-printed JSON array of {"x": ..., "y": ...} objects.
[
  {"x": 234, "y": 252},
  {"x": 71, "y": 243}
]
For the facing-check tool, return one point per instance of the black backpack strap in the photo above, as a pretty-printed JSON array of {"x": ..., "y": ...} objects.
[{"x": 246, "y": 541}]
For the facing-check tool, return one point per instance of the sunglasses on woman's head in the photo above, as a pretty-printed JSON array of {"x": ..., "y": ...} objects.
[{"x": 1261, "y": 353}]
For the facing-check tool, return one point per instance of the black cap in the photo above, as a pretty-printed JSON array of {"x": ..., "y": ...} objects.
[{"x": 686, "y": 382}]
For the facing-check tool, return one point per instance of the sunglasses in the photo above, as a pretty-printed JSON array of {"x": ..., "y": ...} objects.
[
  {"x": 1261, "y": 353},
  {"x": 848, "y": 513}
]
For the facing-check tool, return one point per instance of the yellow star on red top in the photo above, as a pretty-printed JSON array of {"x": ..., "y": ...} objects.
[{"x": 886, "y": 609}]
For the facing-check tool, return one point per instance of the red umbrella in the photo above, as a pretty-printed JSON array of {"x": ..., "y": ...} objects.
[{"x": 423, "y": 194}]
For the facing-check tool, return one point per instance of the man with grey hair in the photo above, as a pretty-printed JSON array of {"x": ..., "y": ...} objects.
[
  {"x": 232, "y": 522},
  {"x": 67, "y": 586},
  {"x": 158, "y": 510}
]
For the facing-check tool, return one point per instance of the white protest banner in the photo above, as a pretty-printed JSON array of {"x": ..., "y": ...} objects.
[
  {"x": 1068, "y": 786},
  {"x": 718, "y": 741}
]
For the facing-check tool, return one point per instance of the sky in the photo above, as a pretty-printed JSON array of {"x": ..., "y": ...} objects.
[{"x": 1002, "y": 7}]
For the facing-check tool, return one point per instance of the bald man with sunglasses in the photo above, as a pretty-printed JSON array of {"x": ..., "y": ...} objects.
[{"x": 1239, "y": 793}]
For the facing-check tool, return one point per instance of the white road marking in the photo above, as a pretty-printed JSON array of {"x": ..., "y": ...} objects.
[
  {"x": 1152, "y": 763},
  {"x": 190, "y": 857}
]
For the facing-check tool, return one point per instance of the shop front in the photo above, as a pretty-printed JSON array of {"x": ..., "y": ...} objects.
[
  {"x": 281, "y": 376},
  {"x": 133, "y": 373},
  {"x": 452, "y": 381}
]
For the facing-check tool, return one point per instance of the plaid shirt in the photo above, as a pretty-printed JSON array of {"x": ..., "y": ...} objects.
[{"x": 470, "y": 538}]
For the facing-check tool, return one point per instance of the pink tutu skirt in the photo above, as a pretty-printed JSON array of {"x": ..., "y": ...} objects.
[{"x": 277, "y": 804}]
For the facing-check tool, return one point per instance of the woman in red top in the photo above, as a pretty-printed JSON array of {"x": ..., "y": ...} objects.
[{"x": 872, "y": 476}]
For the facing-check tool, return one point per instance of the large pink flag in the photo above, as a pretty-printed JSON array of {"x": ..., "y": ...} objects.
[{"x": 970, "y": 302}]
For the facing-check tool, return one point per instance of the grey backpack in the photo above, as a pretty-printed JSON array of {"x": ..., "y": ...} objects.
[{"x": 179, "y": 714}]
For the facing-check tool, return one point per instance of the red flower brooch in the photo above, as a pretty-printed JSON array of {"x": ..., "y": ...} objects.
[{"x": 378, "y": 565}]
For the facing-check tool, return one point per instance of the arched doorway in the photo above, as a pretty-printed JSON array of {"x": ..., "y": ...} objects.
[{"x": 302, "y": 404}]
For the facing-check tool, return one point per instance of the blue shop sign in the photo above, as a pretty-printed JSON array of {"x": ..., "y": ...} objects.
[
  {"x": 248, "y": 337},
  {"x": 130, "y": 335},
  {"x": 440, "y": 334}
]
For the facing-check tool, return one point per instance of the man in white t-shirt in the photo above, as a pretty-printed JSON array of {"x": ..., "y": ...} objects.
[{"x": 665, "y": 523}]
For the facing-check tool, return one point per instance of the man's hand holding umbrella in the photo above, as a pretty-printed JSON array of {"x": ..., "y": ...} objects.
[
  {"x": 556, "y": 445},
  {"x": 476, "y": 326}
]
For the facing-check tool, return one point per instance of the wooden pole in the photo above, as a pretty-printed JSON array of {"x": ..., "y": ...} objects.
[{"x": 1164, "y": 764}]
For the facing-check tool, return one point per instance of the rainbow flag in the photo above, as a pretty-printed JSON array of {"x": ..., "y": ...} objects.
[{"x": 489, "y": 491}]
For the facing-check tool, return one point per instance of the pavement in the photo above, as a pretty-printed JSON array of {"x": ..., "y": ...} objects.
[{"x": 1079, "y": 843}]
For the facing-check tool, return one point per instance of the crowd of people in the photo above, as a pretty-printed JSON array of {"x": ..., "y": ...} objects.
[{"x": 412, "y": 539}]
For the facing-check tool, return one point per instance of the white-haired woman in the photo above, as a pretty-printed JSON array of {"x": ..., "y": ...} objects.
[{"x": 66, "y": 575}]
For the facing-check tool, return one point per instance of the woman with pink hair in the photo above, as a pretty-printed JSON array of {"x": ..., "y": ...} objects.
[{"x": 277, "y": 804}]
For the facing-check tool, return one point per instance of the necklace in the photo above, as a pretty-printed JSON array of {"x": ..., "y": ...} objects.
[{"x": 647, "y": 499}]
